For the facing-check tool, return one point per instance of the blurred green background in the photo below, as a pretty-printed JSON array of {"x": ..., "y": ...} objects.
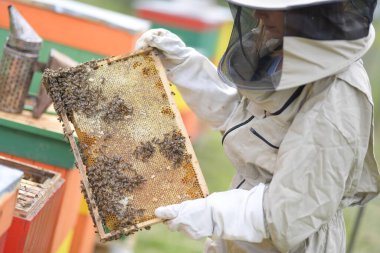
[{"x": 218, "y": 170}]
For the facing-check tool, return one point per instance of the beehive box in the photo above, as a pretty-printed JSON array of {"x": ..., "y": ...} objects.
[
  {"x": 133, "y": 151},
  {"x": 37, "y": 208}
]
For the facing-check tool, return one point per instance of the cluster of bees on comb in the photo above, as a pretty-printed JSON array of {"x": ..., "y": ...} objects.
[
  {"x": 71, "y": 90},
  {"x": 109, "y": 176},
  {"x": 172, "y": 147}
]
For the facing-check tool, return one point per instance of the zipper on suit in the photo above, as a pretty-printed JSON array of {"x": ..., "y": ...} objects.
[
  {"x": 241, "y": 183},
  {"x": 262, "y": 138},
  {"x": 235, "y": 127},
  {"x": 293, "y": 97}
]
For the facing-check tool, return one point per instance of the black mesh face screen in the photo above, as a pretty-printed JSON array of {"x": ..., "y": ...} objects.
[
  {"x": 345, "y": 20},
  {"x": 254, "y": 54}
]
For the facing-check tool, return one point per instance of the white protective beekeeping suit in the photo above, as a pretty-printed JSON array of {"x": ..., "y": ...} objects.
[{"x": 296, "y": 110}]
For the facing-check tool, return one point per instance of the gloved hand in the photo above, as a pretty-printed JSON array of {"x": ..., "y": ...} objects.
[
  {"x": 195, "y": 76},
  {"x": 170, "y": 45},
  {"x": 232, "y": 215}
]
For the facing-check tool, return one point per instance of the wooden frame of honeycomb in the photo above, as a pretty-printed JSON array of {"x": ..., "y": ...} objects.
[{"x": 133, "y": 151}]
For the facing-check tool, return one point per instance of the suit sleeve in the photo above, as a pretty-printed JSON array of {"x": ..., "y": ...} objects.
[{"x": 212, "y": 100}]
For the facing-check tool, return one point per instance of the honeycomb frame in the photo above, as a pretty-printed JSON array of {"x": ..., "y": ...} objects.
[{"x": 189, "y": 167}]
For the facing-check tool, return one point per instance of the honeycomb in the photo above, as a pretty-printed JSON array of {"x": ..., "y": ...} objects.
[{"x": 134, "y": 152}]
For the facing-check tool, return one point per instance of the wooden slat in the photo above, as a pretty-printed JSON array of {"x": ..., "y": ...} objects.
[
  {"x": 82, "y": 170},
  {"x": 189, "y": 147}
]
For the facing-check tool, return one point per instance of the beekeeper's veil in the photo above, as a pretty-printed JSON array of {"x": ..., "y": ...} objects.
[{"x": 277, "y": 44}]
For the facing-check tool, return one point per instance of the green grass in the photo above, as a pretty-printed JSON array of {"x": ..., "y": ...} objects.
[
  {"x": 369, "y": 231},
  {"x": 216, "y": 168},
  {"x": 159, "y": 239}
]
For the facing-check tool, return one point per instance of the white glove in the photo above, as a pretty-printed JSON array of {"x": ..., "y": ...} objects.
[
  {"x": 171, "y": 46},
  {"x": 232, "y": 215},
  {"x": 195, "y": 76}
]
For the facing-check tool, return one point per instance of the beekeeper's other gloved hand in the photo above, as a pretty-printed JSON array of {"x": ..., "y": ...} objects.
[
  {"x": 232, "y": 215},
  {"x": 195, "y": 76}
]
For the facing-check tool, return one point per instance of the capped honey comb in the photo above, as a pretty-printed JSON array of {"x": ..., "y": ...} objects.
[{"x": 132, "y": 149}]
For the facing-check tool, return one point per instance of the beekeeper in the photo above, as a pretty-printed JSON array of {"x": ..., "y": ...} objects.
[{"x": 294, "y": 104}]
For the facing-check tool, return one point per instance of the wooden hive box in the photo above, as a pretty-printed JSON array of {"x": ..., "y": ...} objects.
[
  {"x": 133, "y": 151},
  {"x": 9, "y": 184},
  {"x": 36, "y": 212}
]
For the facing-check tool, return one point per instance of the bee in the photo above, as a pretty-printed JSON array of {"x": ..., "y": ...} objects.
[
  {"x": 173, "y": 147},
  {"x": 146, "y": 71},
  {"x": 107, "y": 136},
  {"x": 144, "y": 151},
  {"x": 70, "y": 133}
]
